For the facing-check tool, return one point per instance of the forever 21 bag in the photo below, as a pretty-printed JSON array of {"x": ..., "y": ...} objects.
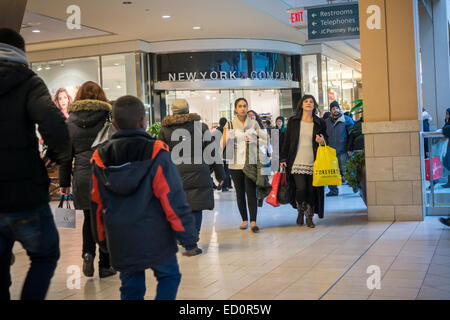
[{"x": 65, "y": 217}]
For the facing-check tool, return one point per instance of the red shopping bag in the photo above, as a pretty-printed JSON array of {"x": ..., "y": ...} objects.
[
  {"x": 272, "y": 198},
  {"x": 437, "y": 168}
]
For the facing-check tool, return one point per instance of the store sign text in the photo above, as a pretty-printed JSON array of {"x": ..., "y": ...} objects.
[{"x": 232, "y": 75}]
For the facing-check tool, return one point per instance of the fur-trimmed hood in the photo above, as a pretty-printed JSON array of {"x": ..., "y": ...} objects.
[
  {"x": 179, "y": 119},
  {"x": 89, "y": 105}
]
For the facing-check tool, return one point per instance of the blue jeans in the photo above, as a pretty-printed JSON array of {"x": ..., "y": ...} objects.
[
  {"x": 167, "y": 274},
  {"x": 342, "y": 160},
  {"x": 37, "y": 233}
]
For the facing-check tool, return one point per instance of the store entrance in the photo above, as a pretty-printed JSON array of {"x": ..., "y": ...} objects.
[{"x": 212, "y": 105}]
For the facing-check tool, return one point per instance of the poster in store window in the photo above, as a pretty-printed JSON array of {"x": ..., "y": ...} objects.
[{"x": 63, "y": 97}]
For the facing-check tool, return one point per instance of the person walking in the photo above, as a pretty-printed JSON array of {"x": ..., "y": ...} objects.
[
  {"x": 87, "y": 116},
  {"x": 445, "y": 131},
  {"x": 240, "y": 134},
  {"x": 305, "y": 131},
  {"x": 338, "y": 128},
  {"x": 227, "y": 182},
  {"x": 25, "y": 214},
  {"x": 196, "y": 177},
  {"x": 145, "y": 202}
]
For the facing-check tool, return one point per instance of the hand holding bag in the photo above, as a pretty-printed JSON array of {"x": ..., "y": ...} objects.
[
  {"x": 272, "y": 198},
  {"x": 326, "y": 168},
  {"x": 283, "y": 189},
  {"x": 65, "y": 217}
]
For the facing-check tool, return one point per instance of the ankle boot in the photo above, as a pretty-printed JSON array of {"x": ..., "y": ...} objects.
[
  {"x": 301, "y": 214},
  {"x": 309, "y": 216}
]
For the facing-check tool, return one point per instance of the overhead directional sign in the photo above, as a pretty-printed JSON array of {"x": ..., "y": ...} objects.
[{"x": 333, "y": 22}]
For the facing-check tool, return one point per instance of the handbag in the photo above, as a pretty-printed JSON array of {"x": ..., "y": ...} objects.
[
  {"x": 283, "y": 189},
  {"x": 326, "y": 168},
  {"x": 65, "y": 217},
  {"x": 437, "y": 168},
  {"x": 104, "y": 134}
]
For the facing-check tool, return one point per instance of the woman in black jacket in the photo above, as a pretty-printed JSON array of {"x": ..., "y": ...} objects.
[
  {"x": 304, "y": 133},
  {"x": 196, "y": 175},
  {"x": 87, "y": 116}
]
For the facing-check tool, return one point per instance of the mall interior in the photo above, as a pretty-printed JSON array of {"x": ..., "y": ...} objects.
[{"x": 213, "y": 52}]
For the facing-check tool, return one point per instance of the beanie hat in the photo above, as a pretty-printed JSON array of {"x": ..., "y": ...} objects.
[
  {"x": 334, "y": 104},
  {"x": 180, "y": 106}
]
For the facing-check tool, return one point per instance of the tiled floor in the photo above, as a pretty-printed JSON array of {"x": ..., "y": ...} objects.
[{"x": 285, "y": 261}]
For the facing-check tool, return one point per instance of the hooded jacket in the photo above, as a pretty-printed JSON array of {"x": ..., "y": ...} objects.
[
  {"x": 24, "y": 103},
  {"x": 86, "y": 119},
  {"x": 338, "y": 132},
  {"x": 197, "y": 181},
  {"x": 138, "y": 202}
]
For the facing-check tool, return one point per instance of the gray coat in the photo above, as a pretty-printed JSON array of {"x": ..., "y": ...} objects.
[
  {"x": 338, "y": 132},
  {"x": 197, "y": 181}
]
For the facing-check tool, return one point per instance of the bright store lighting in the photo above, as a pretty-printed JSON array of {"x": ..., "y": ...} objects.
[
  {"x": 39, "y": 68},
  {"x": 47, "y": 68},
  {"x": 166, "y": 17},
  {"x": 119, "y": 87},
  {"x": 196, "y": 28},
  {"x": 208, "y": 98}
]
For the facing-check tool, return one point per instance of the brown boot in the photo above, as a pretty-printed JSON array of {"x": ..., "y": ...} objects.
[
  {"x": 301, "y": 214},
  {"x": 309, "y": 216}
]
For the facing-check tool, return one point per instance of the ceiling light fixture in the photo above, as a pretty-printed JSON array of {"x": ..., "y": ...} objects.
[
  {"x": 196, "y": 28},
  {"x": 36, "y": 31},
  {"x": 47, "y": 68},
  {"x": 39, "y": 68},
  {"x": 166, "y": 17},
  {"x": 127, "y": 2}
]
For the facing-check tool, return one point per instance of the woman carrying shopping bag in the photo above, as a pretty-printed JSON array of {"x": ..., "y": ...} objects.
[{"x": 305, "y": 131}]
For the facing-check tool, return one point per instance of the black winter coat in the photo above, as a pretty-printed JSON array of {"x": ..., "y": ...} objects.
[
  {"x": 197, "y": 181},
  {"x": 289, "y": 152},
  {"x": 86, "y": 119},
  {"x": 25, "y": 102}
]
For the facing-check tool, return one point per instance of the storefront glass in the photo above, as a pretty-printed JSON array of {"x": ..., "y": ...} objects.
[{"x": 310, "y": 77}]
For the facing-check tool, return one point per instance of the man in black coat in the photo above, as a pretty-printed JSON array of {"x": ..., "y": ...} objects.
[{"x": 25, "y": 215}]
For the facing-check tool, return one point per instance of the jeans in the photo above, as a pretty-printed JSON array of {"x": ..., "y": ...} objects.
[
  {"x": 245, "y": 186},
  {"x": 167, "y": 274},
  {"x": 198, "y": 217},
  {"x": 89, "y": 245},
  {"x": 36, "y": 231},
  {"x": 227, "y": 182},
  {"x": 342, "y": 159}
]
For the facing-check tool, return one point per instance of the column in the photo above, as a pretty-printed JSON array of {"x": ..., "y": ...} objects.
[
  {"x": 390, "y": 62},
  {"x": 11, "y": 13}
]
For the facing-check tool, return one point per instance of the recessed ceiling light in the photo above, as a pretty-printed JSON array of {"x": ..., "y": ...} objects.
[
  {"x": 36, "y": 31},
  {"x": 127, "y": 2},
  {"x": 196, "y": 28},
  {"x": 119, "y": 87},
  {"x": 39, "y": 68},
  {"x": 116, "y": 64},
  {"x": 165, "y": 17},
  {"x": 47, "y": 68}
]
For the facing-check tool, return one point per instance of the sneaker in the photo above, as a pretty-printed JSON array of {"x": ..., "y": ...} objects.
[
  {"x": 255, "y": 229},
  {"x": 106, "y": 272},
  {"x": 445, "y": 221},
  {"x": 88, "y": 265},
  {"x": 332, "y": 194}
]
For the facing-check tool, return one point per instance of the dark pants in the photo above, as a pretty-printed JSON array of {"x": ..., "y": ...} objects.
[
  {"x": 342, "y": 159},
  {"x": 89, "y": 245},
  {"x": 304, "y": 190},
  {"x": 243, "y": 186},
  {"x": 167, "y": 274},
  {"x": 198, "y": 217},
  {"x": 227, "y": 182},
  {"x": 37, "y": 233}
]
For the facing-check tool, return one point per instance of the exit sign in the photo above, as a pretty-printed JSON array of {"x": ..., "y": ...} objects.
[{"x": 298, "y": 18}]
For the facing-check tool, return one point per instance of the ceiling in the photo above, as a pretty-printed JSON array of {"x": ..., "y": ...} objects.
[{"x": 106, "y": 21}]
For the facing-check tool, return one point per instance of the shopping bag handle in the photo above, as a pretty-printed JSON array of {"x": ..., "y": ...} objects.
[{"x": 61, "y": 203}]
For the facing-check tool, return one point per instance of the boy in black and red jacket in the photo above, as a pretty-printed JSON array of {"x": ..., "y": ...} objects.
[{"x": 139, "y": 205}]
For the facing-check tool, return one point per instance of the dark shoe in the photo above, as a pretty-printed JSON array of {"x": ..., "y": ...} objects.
[
  {"x": 243, "y": 226},
  {"x": 332, "y": 194},
  {"x": 309, "y": 216},
  {"x": 445, "y": 221},
  {"x": 301, "y": 214},
  {"x": 255, "y": 229},
  {"x": 106, "y": 272},
  {"x": 198, "y": 251},
  {"x": 88, "y": 265},
  {"x": 225, "y": 190},
  {"x": 447, "y": 185}
]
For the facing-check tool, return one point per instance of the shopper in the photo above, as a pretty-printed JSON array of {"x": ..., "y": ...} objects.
[
  {"x": 304, "y": 133},
  {"x": 338, "y": 128},
  {"x": 87, "y": 116},
  {"x": 197, "y": 182},
  {"x": 446, "y": 161},
  {"x": 242, "y": 133},
  {"x": 281, "y": 132},
  {"x": 145, "y": 202},
  {"x": 25, "y": 214},
  {"x": 255, "y": 117},
  {"x": 227, "y": 182}
]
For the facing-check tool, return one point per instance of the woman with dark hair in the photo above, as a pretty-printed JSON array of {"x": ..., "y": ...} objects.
[
  {"x": 62, "y": 100},
  {"x": 255, "y": 117},
  {"x": 243, "y": 133},
  {"x": 304, "y": 133},
  {"x": 87, "y": 116},
  {"x": 279, "y": 125}
]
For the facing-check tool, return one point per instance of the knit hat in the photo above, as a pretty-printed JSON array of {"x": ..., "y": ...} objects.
[
  {"x": 334, "y": 104},
  {"x": 180, "y": 106}
]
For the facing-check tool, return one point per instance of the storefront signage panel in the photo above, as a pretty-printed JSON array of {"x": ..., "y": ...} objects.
[
  {"x": 333, "y": 22},
  {"x": 226, "y": 66}
]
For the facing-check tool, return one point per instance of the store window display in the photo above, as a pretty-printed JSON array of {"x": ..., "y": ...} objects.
[{"x": 62, "y": 100}]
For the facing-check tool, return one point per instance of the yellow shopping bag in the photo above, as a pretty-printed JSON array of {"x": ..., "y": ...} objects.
[{"x": 326, "y": 168}]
